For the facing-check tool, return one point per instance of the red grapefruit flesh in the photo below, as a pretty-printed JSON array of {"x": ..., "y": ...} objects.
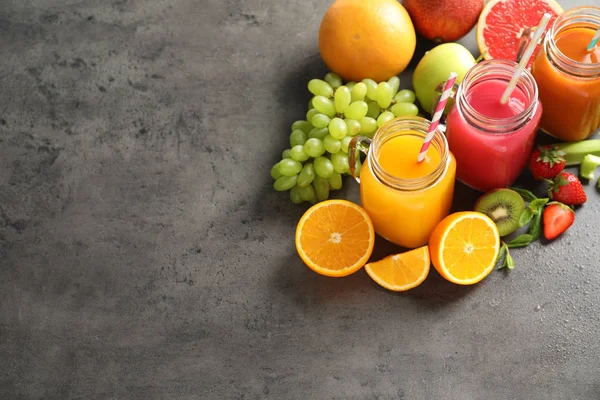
[{"x": 503, "y": 23}]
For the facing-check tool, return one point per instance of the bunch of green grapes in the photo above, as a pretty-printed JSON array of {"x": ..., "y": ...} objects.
[{"x": 318, "y": 154}]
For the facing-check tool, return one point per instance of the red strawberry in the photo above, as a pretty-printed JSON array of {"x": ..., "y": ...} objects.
[
  {"x": 567, "y": 189},
  {"x": 557, "y": 219},
  {"x": 546, "y": 162}
]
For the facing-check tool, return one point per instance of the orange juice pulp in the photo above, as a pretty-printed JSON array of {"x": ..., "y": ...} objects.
[
  {"x": 407, "y": 217},
  {"x": 571, "y": 104}
]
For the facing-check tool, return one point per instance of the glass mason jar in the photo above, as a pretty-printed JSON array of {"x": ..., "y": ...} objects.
[
  {"x": 491, "y": 141},
  {"x": 568, "y": 76},
  {"x": 404, "y": 199}
]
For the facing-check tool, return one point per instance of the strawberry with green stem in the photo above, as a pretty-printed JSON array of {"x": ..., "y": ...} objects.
[
  {"x": 567, "y": 189},
  {"x": 546, "y": 162}
]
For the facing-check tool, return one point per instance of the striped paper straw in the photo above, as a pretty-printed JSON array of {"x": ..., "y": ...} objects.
[
  {"x": 594, "y": 41},
  {"x": 537, "y": 34},
  {"x": 435, "y": 120}
]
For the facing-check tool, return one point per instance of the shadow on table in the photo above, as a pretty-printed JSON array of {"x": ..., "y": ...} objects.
[
  {"x": 298, "y": 283},
  {"x": 293, "y": 96}
]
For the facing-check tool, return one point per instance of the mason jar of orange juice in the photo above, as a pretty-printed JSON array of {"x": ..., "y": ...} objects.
[
  {"x": 404, "y": 198},
  {"x": 568, "y": 75}
]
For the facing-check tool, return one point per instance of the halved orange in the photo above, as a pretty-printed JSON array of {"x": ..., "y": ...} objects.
[
  {"x": 335, "y": 237},
  {"x": 400, "y": 272},
  {"x": 464, "y": 247}
]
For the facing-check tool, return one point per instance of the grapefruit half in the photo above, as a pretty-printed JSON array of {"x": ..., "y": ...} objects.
[{"x": 503, "y": 23}]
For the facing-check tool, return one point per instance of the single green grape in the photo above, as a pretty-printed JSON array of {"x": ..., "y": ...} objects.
[
  {"x": 333, "y": 79},
  {"x": 346, "y": 143},
  {"x": 314, "y": 147},
  {"x": 359, "y": 91},
  {"x": 289, "y": 167},
  {"x": 332, "y": 144},
  {"x": 298, "y": 153},
  {"x": 353, "y": 127},
  {"x": 324, "y": 105},
  {"x": 384, "y": 95},
  {"x": 356, "y": 110},
  {"x": 318, "y": 133},
  {"x": 311, "y": 113},
  {"x": 295, "y": 196},
  {"x": 405, "y": 96},
  {"x": 319, "y": 87},
  {"x": 394, "y": 83},
  {"x": 320, "y": 120},
  {"x": 285, "y": 183},
  {"x": 323, "y": 167},
  {"x": 306, "y": 176},
  {"x": 371, "y": 88},
  {"x": 384, "y": 117},
  {"x": 275, "y": 174},
  {"x": 321, "y": 186},
  {"x": 338, "y": 128},
  {"x": 298, "y": 137},
  {"x": 303, "y": 125},
  {"x": 335, "y": 181},
  {"x": 368, "y": 125},
  {"x": 404, "y": 109},
  {"x": 287, "y": 153},
  {"x": 373, "y": 109},
  {"x": 307, "y": 193},
  {"x": 341, "y": 99},
  {"x": 350, "y": 84},
  {"x": 339, "y": 161}
]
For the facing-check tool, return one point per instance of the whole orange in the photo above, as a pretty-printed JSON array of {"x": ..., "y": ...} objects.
[{"x": 367, "y": 39}]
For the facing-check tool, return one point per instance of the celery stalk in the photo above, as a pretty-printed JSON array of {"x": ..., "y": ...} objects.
[
  {"x": 576, "y": 151},
  {"x": 588, "y": 166}
]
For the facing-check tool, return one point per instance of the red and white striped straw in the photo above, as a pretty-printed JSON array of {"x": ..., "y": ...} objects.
[{"x": 435, "y": 120}]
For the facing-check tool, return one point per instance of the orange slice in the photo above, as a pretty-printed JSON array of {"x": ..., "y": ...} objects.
[
  {"x": 401, "y": 272},
  {"x": 335, "y": 238},
  {"x": 464, "y": 247}
]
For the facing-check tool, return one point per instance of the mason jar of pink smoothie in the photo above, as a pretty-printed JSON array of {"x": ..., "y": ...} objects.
[{"x": 492, "y": 141}]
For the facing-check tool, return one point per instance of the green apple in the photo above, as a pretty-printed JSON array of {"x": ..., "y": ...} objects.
[{"x": 435, "y": 67}]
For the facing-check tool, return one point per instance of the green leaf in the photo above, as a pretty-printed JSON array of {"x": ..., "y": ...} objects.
[
  {"x": 537, "y": 204},
  {"x": 535, "y": 227},
  {"x": 525, "y": 217},
  {"x": 525, "y": 194},
  {"x": 521, "y": 241},
  {"x": 510, "y": 263},
  {"x": 501, "y": 260}
]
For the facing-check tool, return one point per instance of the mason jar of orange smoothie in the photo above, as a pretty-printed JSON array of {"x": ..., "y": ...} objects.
[
  {"x": 568, "y": 75},
  {"x": 404, "y": 198}
]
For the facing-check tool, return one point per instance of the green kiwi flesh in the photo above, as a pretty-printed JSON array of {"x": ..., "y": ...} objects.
[{"x": 504, "y": 207}]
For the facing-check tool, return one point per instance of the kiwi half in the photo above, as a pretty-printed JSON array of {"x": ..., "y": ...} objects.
[{"x": 504, "y": 207}]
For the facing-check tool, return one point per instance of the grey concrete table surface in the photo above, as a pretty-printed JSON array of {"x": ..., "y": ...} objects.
[{"x": 144, "y": 254}]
